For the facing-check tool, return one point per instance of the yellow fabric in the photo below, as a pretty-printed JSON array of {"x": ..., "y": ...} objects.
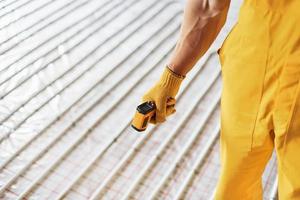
[
  {"x": 260, "y": 103},
  {"x": 163, "y": 95}
]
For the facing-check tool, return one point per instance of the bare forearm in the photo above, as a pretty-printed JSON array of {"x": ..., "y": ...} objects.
[{"x": 203, "y": 20}]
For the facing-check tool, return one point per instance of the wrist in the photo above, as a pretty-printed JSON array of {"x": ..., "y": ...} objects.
[
  {"x": 174, "y": 72},
  {"x": 171, "y": 80}
]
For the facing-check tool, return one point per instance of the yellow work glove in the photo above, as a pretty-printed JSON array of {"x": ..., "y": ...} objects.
[{"x": 163, "y": 95}]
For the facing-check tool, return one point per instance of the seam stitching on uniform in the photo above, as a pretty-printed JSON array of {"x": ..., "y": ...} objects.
[
  {"x": 276, "y": 98},
  {"x": 262, "y": 89},
  {"x": 259, "y": 105}
]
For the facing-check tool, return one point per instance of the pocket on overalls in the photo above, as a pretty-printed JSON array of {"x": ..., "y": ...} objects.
[{"x": 232, "y": 35}]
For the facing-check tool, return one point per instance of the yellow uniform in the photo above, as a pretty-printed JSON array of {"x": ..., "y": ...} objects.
[{"x": 260, "y": 104}]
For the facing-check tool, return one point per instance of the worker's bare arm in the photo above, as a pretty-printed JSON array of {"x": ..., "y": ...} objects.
[{"x": 203, "y": 20}]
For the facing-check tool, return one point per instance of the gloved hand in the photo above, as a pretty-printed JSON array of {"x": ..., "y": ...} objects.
[{"x": 163, "y": 95}]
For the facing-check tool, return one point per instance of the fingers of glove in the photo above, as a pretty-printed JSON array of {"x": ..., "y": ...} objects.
[
  {"x": 171, "y": 101},
  {"x": 161, "y": 109},
  {"x": 170, "y": 110},
  {"x": 153, "y": 120}
]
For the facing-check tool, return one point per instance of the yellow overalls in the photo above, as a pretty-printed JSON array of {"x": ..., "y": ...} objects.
[{"x": 260, "y": 104}]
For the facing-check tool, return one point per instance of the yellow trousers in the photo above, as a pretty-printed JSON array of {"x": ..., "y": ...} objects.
[{"x": 260, "y": 103}]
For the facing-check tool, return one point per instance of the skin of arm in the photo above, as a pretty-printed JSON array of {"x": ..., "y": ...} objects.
[{"x": 202, "y": 22}]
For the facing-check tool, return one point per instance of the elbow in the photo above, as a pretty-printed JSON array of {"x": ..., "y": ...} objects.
[
  {"x": 211, "y": 8},
  {"x": 219, "y": 9},
  {"x": 220, "y": 5}
]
